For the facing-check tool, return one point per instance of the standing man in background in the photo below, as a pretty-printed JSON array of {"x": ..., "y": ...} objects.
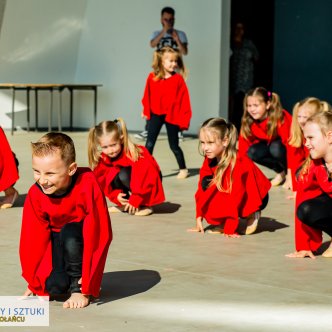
[{"x": 167, "y": 36}]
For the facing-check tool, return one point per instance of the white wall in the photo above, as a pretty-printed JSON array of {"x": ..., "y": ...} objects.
[
  {"x": 107, "y": 42},
  {"x": 38, "y": 44}
]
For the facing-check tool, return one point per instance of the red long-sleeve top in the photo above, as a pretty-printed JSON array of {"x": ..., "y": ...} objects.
[
  {"x": 145, "y": 183},
  {"x": 259, "y": 133},
  {"x": 312, "y": 185},
  {"x": 8, "y": 170},
  {"x": 296, "y": 156},
  {"x": 42, "y": 214},
  {"x": 249, "y": 187},
  {"x": 168, "y": 97}
]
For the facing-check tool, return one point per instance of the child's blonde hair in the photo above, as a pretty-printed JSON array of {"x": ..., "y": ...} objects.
[
  {"x": 219, "y": 128},
  {"x": 157, "y": 65},
  {"x": 118, "y": 129},
  {"x": 324, "y": 121},
  {"x": 274, "y": 113},
  {"x": 51, "y": 143},
  {"x": 314, "y": 105}
]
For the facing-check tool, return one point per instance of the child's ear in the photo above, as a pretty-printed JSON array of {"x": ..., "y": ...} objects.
[
  {"x": 72, "y": 169},
  {"x": 225, "y": 142},
  {"x": 329, "y": 136}
]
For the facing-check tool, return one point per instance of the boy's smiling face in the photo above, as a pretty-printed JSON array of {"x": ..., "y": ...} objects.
[{"x": 52, "y": 173}]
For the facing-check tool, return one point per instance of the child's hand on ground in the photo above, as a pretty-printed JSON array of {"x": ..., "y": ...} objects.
[
  {"x": 301, "y": 254},
  {"x": 130, "y": 208},
  {"x": 121, "y": 199},
  {"x": 26, "y": 294},
  {"x": 199, "y": 226}
]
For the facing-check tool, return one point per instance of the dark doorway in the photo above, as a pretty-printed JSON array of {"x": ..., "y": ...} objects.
[{"x": 257, "y": 17}]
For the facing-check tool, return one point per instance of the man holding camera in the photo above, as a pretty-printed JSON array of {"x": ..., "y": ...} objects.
[{"x": 169, "y": 36}]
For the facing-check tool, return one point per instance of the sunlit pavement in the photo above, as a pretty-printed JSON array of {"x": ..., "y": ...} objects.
[{"x": 159, "y": 277}]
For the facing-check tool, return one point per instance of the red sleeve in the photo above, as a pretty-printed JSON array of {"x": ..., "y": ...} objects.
[
  {"x": 105, "y": 174},
  {"x": 244, "y": 145},
  {"x": 182, "y": 103},
  {"x": 8, "y": 169},
  {"x": 296, "y": 157},
  {"x": 322, "y": 177},
  {"x": 35, "y": 245},
  {"x": 97, "y": 236},
  {"x": 283, "y": 129},
  {"x": 306, "y": 237},
  {"x": 146, "y": 97},
  {"x": 146, "y": 186},
  {"x": 204, "y": 171},
  {"x": 284, "y": 133}
]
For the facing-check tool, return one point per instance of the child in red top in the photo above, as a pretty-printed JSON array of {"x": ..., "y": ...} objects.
[
  {"x": 265, "y": 132},
  {"x": 127, "y": 173},
  {"x": 298, "y": 152},
  {"x": 166, "y": 101},
  {"x": 64, "y": 212},
  {"x": 230, "y": 186},
  {"x": 8, "y": 173},
  {"x": 314, "y": 188}
]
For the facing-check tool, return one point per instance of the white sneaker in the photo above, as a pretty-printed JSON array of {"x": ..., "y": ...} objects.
[{"x": 142, "y": 136}]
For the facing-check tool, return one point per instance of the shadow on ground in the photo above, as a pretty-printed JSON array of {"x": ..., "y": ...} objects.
[
  {"x": 166, "y": 207},
  {"x": 192, "y": 172},
  {"x": 121, "y": 284},
  {"x": 264, "y": 225}
]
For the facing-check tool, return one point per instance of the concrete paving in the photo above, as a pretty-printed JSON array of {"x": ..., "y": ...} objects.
[{"x": 158, "y": 277}]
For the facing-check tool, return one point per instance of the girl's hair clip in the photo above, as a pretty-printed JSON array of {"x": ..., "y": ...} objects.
[{"x": 269, "y": 93}]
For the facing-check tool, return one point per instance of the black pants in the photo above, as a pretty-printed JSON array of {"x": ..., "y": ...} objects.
[
  {"x": 122, "y": 181},
  {"x": 317, "y": 213},
  {"x": 271, "y": 155},
  {"x": 207, "y": 179},
  {"x": 67, "y": 255},
  {"x": 155, "y": 124}
]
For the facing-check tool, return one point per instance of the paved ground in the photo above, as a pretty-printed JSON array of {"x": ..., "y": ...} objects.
[{"x": 160, "y": 278}]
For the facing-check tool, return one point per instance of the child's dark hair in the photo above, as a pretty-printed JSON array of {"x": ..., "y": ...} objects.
[
  {"x": 274, "y": 113},
  {"x": 53, "y": 142},
  {"x": 157, "y": 65},
  {"x": 219, "y": 128},
  {"x": 168, "y": 10},
  {"x": 119, "y": 130}
]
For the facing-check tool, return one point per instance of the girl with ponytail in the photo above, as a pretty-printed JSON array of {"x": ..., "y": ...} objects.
[
  {"x": 265, "y": 132},
  {"x": 314, "y": 188},
  {"x": 129, "y": 176},
  {"x": 230, "y": 186}
]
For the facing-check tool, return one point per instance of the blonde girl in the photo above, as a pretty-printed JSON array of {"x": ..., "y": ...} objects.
[
  {"x": 314, "y": 188},
  {"x": 230, "y": 186},
  {"x": 166, "y": 101},
  {"x": 302, "y": 110},
  {"x": 127, "y": 173},
  {"x": 265, "y": 131}
]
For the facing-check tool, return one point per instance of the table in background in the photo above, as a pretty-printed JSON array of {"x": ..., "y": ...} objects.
[{"x": 49, "y": 87}]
